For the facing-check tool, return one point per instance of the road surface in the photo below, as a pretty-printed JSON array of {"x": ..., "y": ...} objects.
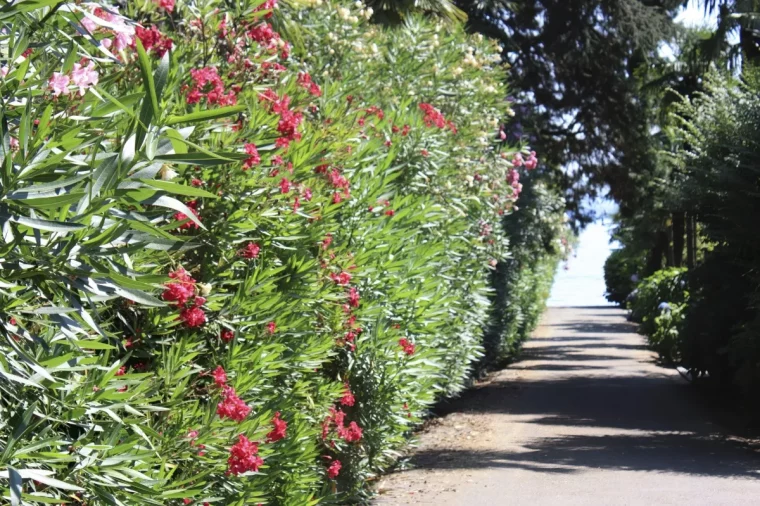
[{"x": 586, "y": 417}]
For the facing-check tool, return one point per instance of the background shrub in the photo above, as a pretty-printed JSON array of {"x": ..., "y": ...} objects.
[
  {"x": 659, "y": 306},
  {"x": 621, "y": 274}
]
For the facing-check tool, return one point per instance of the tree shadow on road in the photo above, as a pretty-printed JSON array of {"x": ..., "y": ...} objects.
[{"x": 655, "y": 452}]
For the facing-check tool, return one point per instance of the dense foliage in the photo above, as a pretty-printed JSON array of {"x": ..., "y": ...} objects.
[
  {"x": 245, "y": 249},
  {"x": 711, "y": 171},
  {"x": 621, "y": 274},
  {"x": 657, "y": 305}
]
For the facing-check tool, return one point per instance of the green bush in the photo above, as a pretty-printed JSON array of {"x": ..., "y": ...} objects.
[
  {"x": 621, "y": 272},
  {"x": 659, "y": 306},
  {"x": 718, "y": 159},
  {"x": 232, "y": 275}
]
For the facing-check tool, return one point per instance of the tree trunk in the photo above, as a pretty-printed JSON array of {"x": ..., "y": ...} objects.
[
  {"x": 654, "y": 262},
  {"x": 691, "y": 250},
  {"x": 679, "y": 219},
  {"x": 750, "y": 51}
]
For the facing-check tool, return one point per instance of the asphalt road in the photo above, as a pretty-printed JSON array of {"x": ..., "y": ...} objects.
[{"x": 586, "y": 417}]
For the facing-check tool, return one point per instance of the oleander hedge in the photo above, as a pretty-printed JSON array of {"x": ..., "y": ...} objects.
[{"x": 244, "y": 248}]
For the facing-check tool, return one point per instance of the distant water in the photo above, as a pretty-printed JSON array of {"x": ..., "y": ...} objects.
[{"x": 580, "y": 281}]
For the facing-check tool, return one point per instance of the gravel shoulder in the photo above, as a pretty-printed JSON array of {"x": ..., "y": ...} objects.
[{"x": 585, "y": 417}]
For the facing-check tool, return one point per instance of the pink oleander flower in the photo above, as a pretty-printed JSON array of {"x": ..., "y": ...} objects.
[
  {"x": 59, "y": 83},
  {"x": 84, "y": 77}
]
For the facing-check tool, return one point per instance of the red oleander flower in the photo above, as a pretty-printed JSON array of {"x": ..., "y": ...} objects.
[
  {"x": 269, "y": 5},
  {"x": 251, "y": 250},
  {"x": 333, "y": 470},
  {"x": 122, "y": 371},
  {"x": 350, "y": 434},
  {"x": 433, "y": 116},
  {"x": 244, "y": 457},
  {"x": 253, "y": 156},
  {"x": 192, "y": 205},
  {"x": 272, "y": 327},
  {"x": 232, "y": 406},
  {"x": 284, "y": 185},
  {"x": 279, "y": 430},
  {"x": 304, "y": 80},
  {"x": 226, "y": 335},
  {"x": 154, "y": 40},
  {"x": 220, "y": 377},
  {"x": 193, "y": 317},
  {"x": 327, "y": 241},
  {"x": 167, "y": 5},
  {"x": 181, "y": 289},
  {"x": 353, "y": 297},
  {"x": 407, "y": 346},
  {"x": 348, "y": 398},
  {"x": 344, "y": 278}
]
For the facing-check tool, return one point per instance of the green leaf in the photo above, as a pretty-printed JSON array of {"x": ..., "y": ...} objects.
[
  {"x": 147, "y": 75},
  {"x": 206, "y": 115},
  {"x": 179, "y": 189},
  {"x": 50, "y": 226},
  {"x": 15, "y": 479},
  {"x": 207, "y": 159},
  {"x": 92, "y": 345},
  {"x": 160, "y": 77}
]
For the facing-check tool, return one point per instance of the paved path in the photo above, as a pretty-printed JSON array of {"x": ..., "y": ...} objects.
[{"x": 584, "y": 418}]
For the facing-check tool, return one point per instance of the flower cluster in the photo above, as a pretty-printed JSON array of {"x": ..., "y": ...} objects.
[
  {"x": 279, "y": 429},
  {"x": 348, "y": 398},
  {"x": 244, "y": 457},
  {"x": 342, "y": 278},
  {"x": 97, "y": 20},
  {"x": 407, "y": 346},
  {"x": 290, "y": 120},
  {"x": 153, "y": 40},
  {"x": 530, "y": 163},
  {"x": 82, "y": 76},
  {"x": 433, "y": 117},
  {"x": 253, "y": 156},
  {"x": 250, "y": 251},
  {"x": 333, "y": 470},
  {"x": 350, "y": 433},
  {"x": 182, "y": 291},
  {"x": 232, "y": 406},
  {"x": 187, "y": 223},
  {"x": 207, "y": 84},
  {"x": 304, "y": 80}
]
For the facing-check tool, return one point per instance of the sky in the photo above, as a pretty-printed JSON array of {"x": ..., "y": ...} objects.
[
  {"x": 580, "y": 280},
  {"x": 694, "y": 15}
]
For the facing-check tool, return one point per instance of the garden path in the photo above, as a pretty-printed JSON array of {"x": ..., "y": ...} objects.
[{"x": 585, "y": 417}]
